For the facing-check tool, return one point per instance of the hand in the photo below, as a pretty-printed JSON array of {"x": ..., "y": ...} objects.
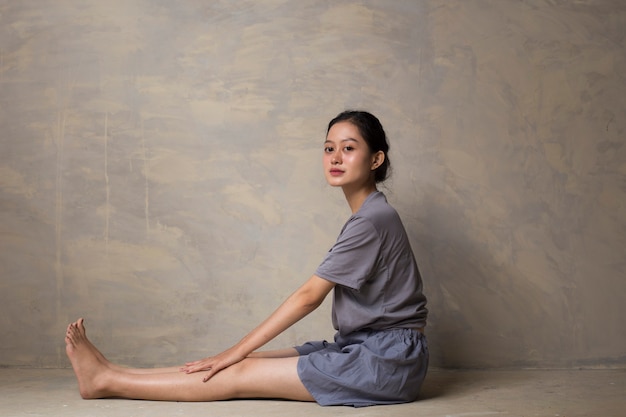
[{"x": 213, "y": 364}]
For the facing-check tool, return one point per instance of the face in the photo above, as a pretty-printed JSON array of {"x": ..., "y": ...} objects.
[{"x": 348, "y": 161}]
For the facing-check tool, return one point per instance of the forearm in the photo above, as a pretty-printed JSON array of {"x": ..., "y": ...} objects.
[
  {"x": 290, "y": 312},
  {"x": 306, "y": 299},
  {"x": 302, "y": 302}
]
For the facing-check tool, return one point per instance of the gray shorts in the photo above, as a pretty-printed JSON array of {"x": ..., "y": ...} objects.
[{"x": 365, "y": 368}]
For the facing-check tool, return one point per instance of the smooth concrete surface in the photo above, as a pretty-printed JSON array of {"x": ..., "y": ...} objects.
[
  {"x": 571, "y": 393},
  {"x": 160, "y": 170}
]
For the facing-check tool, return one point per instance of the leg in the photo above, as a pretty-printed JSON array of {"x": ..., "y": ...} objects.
[
  {"x": 279, "y": 353},
  {"x": 250, "y": 378}
]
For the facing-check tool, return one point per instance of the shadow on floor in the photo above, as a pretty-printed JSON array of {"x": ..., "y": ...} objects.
[{"x": 447, "y": 382}]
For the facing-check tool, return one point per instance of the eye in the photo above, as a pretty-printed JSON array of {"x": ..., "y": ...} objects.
[
  {"x": 328, "y": 149},
  {"x": 348, "y": 148}
]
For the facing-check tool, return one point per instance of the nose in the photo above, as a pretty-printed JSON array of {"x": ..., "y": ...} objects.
[{"x": 336, "y": 158}]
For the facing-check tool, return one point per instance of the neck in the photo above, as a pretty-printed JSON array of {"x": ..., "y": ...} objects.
[{"x": 356, "y": 197}]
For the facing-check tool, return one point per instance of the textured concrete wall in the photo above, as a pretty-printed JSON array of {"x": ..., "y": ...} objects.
[{"x": 160, "y": 170}]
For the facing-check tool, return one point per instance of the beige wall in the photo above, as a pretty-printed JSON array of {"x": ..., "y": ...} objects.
[{"x": 160, "y": 170}]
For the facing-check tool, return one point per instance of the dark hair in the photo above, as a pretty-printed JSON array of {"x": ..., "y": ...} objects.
[{"x": 372, "y": 131}]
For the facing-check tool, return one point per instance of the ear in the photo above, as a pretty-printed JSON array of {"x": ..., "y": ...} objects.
[{"x": 377, "y": 159}]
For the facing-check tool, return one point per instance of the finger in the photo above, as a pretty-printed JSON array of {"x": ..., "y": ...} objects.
[
  {"x": 197, "y": 363},
  {"x": 208, "y": 375},
  {"x": 198, "y": 368},
  {"x": 190, "y": 365}
]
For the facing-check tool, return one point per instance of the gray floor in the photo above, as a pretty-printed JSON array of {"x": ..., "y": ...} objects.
[{"x": 53, "y": 392}]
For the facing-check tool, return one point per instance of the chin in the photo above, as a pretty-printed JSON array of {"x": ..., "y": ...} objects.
[{"x": 332, "y": 182}]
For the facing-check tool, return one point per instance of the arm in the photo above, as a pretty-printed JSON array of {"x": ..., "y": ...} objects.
[{"x": 299, "y": 304}]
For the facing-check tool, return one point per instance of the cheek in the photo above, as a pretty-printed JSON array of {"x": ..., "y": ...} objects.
[{"x": 356, "y": 160}]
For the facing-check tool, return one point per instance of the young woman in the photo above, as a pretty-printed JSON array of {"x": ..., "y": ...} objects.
[{"x": 379, "y": 355}]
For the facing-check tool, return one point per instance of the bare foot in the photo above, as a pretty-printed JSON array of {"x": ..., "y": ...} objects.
[
  {"x": 80, "y": 326},
  {"x": 90, "y": 371}
]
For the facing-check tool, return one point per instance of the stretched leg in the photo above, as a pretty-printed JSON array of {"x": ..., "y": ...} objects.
[
  {"x": 279, "y": 353},
  {"x": 250, "y": 378}
]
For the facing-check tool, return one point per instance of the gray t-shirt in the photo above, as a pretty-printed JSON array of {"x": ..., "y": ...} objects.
[{"x": 379, "y": 284}]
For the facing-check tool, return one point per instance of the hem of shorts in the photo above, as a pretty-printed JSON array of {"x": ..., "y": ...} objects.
[{"x": 304, "y": 382}]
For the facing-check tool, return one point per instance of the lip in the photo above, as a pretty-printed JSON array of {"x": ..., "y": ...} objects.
[{"x": 335, "y": 172}]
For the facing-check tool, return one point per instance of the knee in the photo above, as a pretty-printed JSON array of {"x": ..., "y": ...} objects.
[{"x": 233, "y": 379}]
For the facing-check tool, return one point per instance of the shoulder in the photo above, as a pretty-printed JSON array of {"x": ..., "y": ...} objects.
[
  {"x": 377, "y": 209},
  {"x": 382, "y": 218}
]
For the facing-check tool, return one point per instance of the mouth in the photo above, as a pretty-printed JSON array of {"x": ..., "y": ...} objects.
[{"x": 335, "y": 172}]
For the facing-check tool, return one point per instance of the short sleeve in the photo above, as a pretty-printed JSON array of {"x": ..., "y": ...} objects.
[{"x": 353, "y": 258}]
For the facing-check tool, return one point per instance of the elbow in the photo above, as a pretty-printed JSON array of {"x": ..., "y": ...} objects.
[
  {"x": 309, "y": 301},
  {"x": 311, "y": 295},
  {"x": 312, "y": 304}
]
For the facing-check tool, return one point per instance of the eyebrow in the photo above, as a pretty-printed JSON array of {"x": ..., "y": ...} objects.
[{"x": 342, "y": 140}]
